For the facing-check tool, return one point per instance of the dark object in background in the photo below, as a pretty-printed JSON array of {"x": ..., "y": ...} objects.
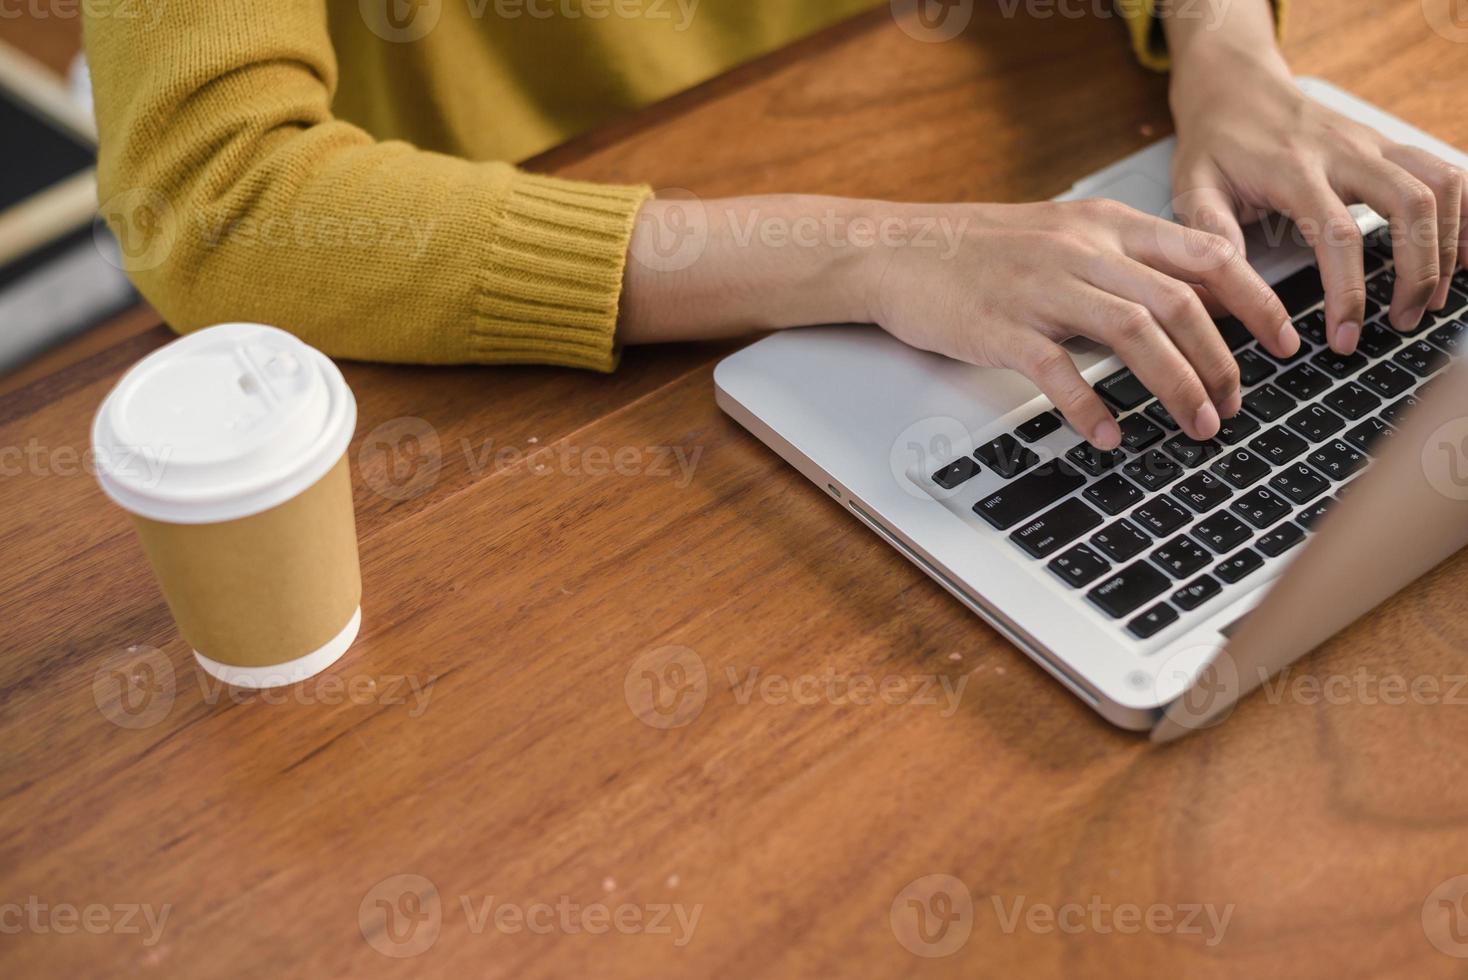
[{"x": 61, "y": 272}]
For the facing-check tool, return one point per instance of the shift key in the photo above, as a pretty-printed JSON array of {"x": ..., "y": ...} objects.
[{"x": 1032, "y": 492}]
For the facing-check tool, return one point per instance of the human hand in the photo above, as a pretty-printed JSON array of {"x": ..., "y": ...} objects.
[
  {"x": 1250, "y": 143},
  {"x": 1025, "y": 277}
]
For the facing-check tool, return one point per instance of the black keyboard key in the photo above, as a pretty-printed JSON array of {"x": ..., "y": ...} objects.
[
  {"x": 1338, "y": 365},
  {"x": 1394, "y": 412},
  {"x": 1129, "y": 588},
  {"x": 1311, "y": 326},
  {"x": 1005, "y": 456},
  {"x": 1352, "y": 401},
  {"x": 1300, "y": 483},
  {"x": 1448, "y": 337},
  {"x": 1379, "y": 293},
  {"x": 1377, "y": 339},
  {"x": 1239, "y": 468},
  {"x": 1278, "y": 445},
  {"x": 1038, "y": 427},
  {"x": 1113, "y": 494},
  {"x": 1314, "y": 512},
  {"x": 1094, "y": 461},
  {"x": 1138, "y": 432},
  {"x": 955, "y": 473},
  {"x": 1300, "y": 291},
  {"x": 1180, "y": 557},
  {"x": 1197, "y": 592},
  {"x": 1457, "y": 302},
  {"x": 1235, "y": 567},
  {"x": 1268, "y": 403},
  {"x": 1316, "y": 422},
  {"x": 1029, "y": 494},
  {"x": 1253, "y": 367},
  {"x": 1158, "y": 413},
  {"x": 1368, "y": 433},
  {"x": 1056, "y": 528},
  {"x": 1237, "y": 429},
  {"x": 1421, "y": 358},
  {"x": 1189, "y": 451},
  {"x": 1120, "y": 540},
  {"x": 1234, "y": 333},
  {"x": 1153, "y": 470},
  {"x": 1202, "y": 491},
  {"x": 1277, "y": 541},
  {"x": 1338, "y": 460},
  {"x": 1161, "y": 516},
  {"x": 1079, "y": 566},
  {"x": 1302, "y": 382},
  {"x": 1221, "y": 532},
  {"x": 1153, "y": 621},
  {"x": 1387, "y": 380},
  {"x": 1261, "y": 507},
  {"x": 1302, "y": 352},
  {"x": 1122, "y": 390}
]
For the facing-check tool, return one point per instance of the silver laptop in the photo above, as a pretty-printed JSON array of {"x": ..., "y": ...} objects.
[{"x": 1162, "y": 583}]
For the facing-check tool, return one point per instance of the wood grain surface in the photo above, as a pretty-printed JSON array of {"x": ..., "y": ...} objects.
[{"x": 631, "y": 698}]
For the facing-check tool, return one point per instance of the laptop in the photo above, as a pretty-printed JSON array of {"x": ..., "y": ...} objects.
[{"x": 1165, "y": 581}]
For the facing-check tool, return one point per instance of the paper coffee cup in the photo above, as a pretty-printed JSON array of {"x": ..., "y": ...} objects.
[{"x": 228, "y": 449}]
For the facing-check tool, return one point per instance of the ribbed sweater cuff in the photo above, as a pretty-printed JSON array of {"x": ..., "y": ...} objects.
[{"x": 553, "y": 278}]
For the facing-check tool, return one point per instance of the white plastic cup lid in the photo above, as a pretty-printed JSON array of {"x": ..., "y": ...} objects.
[{"x": 220, "y": 424}]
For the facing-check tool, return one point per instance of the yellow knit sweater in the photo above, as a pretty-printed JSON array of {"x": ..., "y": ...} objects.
[{"x": 335, "y": 167}]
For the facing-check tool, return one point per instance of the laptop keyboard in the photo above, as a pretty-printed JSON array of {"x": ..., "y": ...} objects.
[{"x": 1154, "y": 532}]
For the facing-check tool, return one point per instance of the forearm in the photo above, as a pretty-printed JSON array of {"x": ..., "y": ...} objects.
[
  {"x": 1209, "y": 37},
  {"x": 698, "y": 270}
]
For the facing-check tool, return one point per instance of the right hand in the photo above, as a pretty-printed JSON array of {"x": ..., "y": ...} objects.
[{"x": 1026, "y": 277}]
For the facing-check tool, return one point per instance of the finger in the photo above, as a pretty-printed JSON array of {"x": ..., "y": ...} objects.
[
  {"x": 1203, "y": 202},
  {"x": 1129, "y": 329},
  {"x": 1051, "y": 369},
  {"x": 1181, "y": 316},
  {"x": 1446, "y": 183},
  {"x": 1412, "y": 208},
  {"x": 1215, "y": 262},
  {"x": 1326, "y": 222}
]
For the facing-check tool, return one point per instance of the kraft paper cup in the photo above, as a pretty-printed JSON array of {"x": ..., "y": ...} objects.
[{"x": 228, "y": 449}]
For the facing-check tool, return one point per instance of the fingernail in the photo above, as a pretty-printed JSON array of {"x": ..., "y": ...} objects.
[
  {"x": 1231, "y": 405},
  {"x": 1107, "y": 435},
  {"x": 1206, "y": 422},
  {"x": 1289, "y": 340},
  {"x": 1346, "y": 337}
]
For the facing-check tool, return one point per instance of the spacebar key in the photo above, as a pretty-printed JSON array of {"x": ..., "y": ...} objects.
[
  {"x": 1034, "y": 491},
  {"x": 1139, "y": 582}
]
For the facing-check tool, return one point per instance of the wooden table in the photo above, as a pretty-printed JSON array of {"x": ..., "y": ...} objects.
[{"x": 493, "y": 736}]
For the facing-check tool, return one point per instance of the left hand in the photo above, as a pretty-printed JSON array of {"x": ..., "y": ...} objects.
[{"x": 1250, "y": 143}]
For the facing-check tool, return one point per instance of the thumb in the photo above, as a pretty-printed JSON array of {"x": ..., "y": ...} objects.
[{"x": 1202, "y": 201}]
